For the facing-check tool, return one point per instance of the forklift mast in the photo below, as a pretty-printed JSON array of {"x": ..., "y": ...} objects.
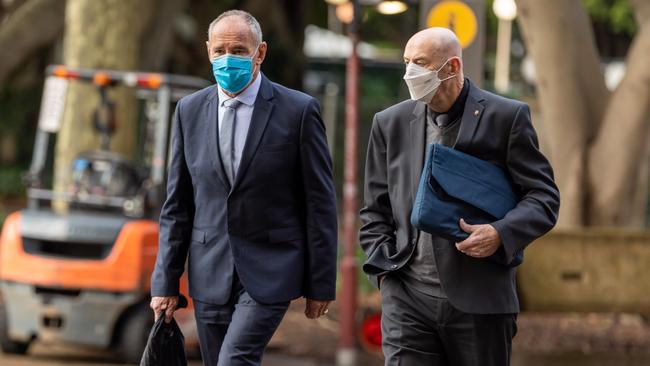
[
  {"x": 164, "y": 89},
  {"x": 82, "y": 276}
]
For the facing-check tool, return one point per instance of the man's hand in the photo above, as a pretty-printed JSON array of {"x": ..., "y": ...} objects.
[
  {"x": 166, "y": 304},
  {"x": 315, "y": 309},
  {"x": 482, "y": 242}
]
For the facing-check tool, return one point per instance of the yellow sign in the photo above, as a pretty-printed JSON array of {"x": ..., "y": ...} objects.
[{"x": 457, "y": 16}]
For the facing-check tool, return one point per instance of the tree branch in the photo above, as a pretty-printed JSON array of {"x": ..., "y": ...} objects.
[
  {"x": 619, "y": 156},
  {"x": 570, "y": 88},
  {"x": 34, "y": 24},
  {"x": 159, "y": 37},
  {"x": 641, "y": 11}
]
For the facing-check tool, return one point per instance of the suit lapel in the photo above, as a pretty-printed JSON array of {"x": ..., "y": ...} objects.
[
  {"x": 212, "y": 106},
  {"x": 417, "y": 139},
  {"x": 261, "y": 112},
  {"x": 471, "y": 116}
]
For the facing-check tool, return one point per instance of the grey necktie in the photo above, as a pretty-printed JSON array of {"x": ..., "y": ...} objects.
[
  {"x": 227, "y": 137},
  {"x": 442, "y": 120}
]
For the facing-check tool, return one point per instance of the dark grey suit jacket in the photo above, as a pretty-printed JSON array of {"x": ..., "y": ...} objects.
[{"x": 492, "y": 128}]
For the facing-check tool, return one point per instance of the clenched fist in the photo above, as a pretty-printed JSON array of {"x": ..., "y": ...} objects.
[{"x": 166, "y": 304}]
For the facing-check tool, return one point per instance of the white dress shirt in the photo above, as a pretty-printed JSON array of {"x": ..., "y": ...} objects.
[{"x": 243, "y": 115}]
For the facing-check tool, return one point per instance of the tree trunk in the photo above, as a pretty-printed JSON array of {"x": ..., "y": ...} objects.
[
  {"x": 99, "y": 34},
  {"x": 159, "y": 36},
  {"x": 32, "y": 25},
  {"x": 618, "y": 159},
  {"x": 571, "y": 92}
]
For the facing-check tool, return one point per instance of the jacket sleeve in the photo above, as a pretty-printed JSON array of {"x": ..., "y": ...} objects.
[
  {"x": 320, "y": 206},
  {"x": 532, "y": 177},
  {"x": 378, "y": 227},
  {"x": 176, "y": 219}
]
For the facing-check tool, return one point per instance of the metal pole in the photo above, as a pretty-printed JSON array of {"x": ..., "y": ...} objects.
[
  {"x": 330, "y": 106},
  {"x": 502, "y": 67},
  {"x": 161, "y": 146},
  {"x": 346, "y": 353}
]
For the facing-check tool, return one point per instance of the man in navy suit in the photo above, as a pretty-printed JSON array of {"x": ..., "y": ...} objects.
[{"x": 250, "y": 202}]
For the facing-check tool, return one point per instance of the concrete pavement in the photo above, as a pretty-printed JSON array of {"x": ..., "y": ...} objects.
[
  {"x": 66, "y": 356},
  {"x": 42, "y": 355}
]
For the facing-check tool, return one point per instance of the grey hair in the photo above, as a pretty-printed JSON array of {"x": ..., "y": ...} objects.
[{"x": 253, "y": 24}]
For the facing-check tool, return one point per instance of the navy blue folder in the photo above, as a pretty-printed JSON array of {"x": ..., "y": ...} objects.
[{"x": 454, "y": 185}]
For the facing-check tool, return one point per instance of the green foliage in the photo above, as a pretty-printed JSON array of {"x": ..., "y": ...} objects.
[
  {"x": 17, "y": 104},
  {"x": 617, "y": 14},
  {"x": 19, "y": 108},
  {"x": 491, "y": 19},
  {"x": 389, "y": 31},
  {"x": 3, "y": 216},
  {"x": 363, "y": 283},
  {"x": 11, "y": 184},
  {"x": 365, "y": 287}
]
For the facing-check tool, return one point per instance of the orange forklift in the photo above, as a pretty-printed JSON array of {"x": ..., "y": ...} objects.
[{"x": 83, "y": 277}]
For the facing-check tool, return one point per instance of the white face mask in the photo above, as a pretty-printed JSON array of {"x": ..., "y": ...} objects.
[{"x": 422, "y": 82}]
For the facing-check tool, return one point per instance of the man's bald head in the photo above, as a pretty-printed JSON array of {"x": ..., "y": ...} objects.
[
  {"x": 437, "y": 43},
  {"x": 438, "y": 49}
]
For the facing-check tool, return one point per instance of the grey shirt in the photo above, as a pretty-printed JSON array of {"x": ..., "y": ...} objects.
[{"x": 420, "y": 273}]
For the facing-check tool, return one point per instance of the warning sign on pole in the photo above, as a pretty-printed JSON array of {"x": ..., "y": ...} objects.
[
  {"x": 457, "y": 16},
  {"x": 467, "y": 20},
  {"x": 53, "y": 103}
]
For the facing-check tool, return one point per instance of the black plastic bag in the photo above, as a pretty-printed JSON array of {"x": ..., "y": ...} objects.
[{"x": 166, "y": 344}]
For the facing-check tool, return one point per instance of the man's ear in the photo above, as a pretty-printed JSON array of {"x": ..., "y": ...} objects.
[
  {"x": 207, "y": 48},
  {"x": 261, "y": 54},
  {"x": 456, "y": 65}
]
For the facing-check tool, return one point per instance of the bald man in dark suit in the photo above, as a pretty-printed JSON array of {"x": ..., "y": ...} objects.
[{"x": 445, "y": 303}]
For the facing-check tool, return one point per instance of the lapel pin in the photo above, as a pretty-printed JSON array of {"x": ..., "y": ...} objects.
[{"x": 476, "y": 112}]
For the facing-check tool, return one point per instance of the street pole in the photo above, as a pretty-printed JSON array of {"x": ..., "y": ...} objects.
[
  {"x": 346, "y": 354},
  {"x": 502, "y": 67},
  {"x": 506, "y": 11}
]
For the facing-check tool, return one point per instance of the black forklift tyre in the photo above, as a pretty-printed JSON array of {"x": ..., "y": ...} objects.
[
  {"x": 7, "y": 345},
  {"x": 133, "y": 333}
]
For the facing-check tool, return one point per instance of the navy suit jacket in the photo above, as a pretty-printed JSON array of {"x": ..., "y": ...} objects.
[{"x": 276, "y": 225}]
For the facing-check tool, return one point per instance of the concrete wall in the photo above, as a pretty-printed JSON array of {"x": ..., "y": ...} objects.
[{"x": 587, "y": 270}]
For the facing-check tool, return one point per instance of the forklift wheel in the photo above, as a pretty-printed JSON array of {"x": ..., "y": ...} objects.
[
  {"x": 134, "y": 333},
  {"x": 8, "y": 346}
]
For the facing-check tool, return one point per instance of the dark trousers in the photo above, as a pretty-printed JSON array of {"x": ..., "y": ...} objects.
[
  {"x": 236, "y": 333},
  {"x": 419, "y": 329}
]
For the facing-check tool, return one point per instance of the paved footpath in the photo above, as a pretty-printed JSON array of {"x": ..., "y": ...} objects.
[
  {"x": 61, "y": 356},
  {"x": 40, "y": 360}
]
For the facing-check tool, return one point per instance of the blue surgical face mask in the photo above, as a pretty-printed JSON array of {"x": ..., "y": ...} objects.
[{"x": 232, "y": 72}]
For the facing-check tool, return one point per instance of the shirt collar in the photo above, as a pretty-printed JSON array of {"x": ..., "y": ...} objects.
[{"x": 249, "y": 94}]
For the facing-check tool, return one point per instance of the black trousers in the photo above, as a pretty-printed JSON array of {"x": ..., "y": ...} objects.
[{"x": 419, "y": 329}]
